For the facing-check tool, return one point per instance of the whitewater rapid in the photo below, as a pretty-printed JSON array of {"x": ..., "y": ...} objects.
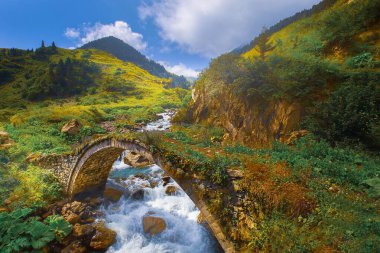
[{"x": 183, "y": 234}]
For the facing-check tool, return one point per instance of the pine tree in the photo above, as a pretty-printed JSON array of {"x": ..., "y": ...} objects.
[
  {"x": 263, "y": 44},
  {"x": 53, "y": 47},
  {"x": 43, "y": 44}
]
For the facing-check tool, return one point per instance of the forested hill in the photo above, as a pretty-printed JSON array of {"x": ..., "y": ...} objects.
[{"x": 127, "y": 53}]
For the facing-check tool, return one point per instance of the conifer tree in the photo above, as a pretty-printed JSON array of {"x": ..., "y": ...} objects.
[
  {"x": 43, "y": 44},
  {"x": 263, "y": 44},
  {"x": 53, "y": 47}
]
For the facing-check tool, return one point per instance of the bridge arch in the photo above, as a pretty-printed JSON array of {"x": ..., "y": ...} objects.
[
  {"x": 91, "y": 169},
  {"x": 87, "y": 170}
]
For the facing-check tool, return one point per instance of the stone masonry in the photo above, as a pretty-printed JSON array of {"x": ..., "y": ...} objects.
[{"x": 87, "y": 171}]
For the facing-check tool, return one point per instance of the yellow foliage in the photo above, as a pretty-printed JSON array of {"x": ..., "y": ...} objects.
[{"x": 36, "y": 186}]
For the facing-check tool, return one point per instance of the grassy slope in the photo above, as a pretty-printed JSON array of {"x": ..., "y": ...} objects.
[
  {"x": 307, "y": 33},
  {"x": 35, "y": 126},
  {"x": 307, "y": 197},
  {"x": 24, "y": 118}
]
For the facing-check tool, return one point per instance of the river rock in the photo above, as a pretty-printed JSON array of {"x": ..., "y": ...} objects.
[
  {"x": 138, "y": 195},
  {"x": 112, "y": 194},
  {"x": 94, "y": 202},
  {"x": 171, "y": 190},
  {"x": 166, "y": 180},
  {"x": 83, "y": 230},
  {"x": 153, "y": 225},
  {"x": 72, "y": 127},
  {"x": 76, "y": 212},
  {"x": 74, "y": 247},
  {"x": 103, "y": 237},
  {"x": 137, "y": 160},
  {"x": 72, "y": 218}
]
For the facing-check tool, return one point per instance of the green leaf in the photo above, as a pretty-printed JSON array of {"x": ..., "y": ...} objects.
[
  {"x": 21, "y": 213},
  {"x": 59, "y": 225}
]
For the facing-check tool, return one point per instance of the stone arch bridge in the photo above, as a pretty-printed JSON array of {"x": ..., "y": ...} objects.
[{"x": 86, "y": 170}]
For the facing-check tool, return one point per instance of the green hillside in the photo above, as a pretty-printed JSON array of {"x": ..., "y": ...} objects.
[
  {"x": 44, "y": 89},
  {"x": 298, "y": 114},
  {"x": 311, "y": 63},
  {"x": 51, "y": 88},
  {"x": 127, "y": 53},
  {"x": 282, "y": 137}
]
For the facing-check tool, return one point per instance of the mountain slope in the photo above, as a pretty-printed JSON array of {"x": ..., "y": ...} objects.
[
  {"x": 48, "y": 88},
  {"x": 127, "y": 53},
  {"x": 297, "y": 75},
  {"x": 299, "y": 191},
  {"x": 287, "y": 21}
]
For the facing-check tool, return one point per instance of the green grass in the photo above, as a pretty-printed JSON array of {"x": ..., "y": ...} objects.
[
  {"x": 340, "y": 185},
  {"x": 121, "y": 93}
]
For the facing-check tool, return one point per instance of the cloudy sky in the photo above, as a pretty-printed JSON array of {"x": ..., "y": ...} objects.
[{"x": 183, "y": 35}]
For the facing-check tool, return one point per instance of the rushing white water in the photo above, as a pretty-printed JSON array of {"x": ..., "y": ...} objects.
[
  {"x": 161, "y": 124},
  {"x": 182, "y": 234}
]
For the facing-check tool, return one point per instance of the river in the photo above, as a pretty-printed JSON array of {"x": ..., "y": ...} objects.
[{"x": 183, "y": 234}]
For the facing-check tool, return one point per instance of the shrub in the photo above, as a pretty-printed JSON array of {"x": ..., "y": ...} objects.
[
  {"x": 19, "y": 232},
  {"x": 349, "y": 114},
  {"x": 364, "y": 60}
]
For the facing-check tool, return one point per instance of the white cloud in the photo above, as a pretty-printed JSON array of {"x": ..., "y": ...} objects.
[
  {"x": 118, "y": 29},
  {"x": 213, "y": 27},
  {"x": 181, "y": 70},
  {"x": 72, "y": 33}
]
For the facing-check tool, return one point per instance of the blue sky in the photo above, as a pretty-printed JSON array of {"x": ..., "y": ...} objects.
[{"x": 181, "y": 34}]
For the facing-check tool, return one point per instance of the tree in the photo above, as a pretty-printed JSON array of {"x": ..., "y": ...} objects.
[
  {"x": 43, "y": 44},
  {"x": 263, "y": 44},
  {"x": 53, "y": 47}
]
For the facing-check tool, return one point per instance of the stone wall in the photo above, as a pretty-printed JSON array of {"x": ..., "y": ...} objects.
[{"x": 60, "y": 165}]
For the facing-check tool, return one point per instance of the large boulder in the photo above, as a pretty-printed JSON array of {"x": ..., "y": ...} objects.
[
  {"x": 83, "y": 230},
  {"x": 72, "y": 127},
  {"x": 74, "y": 247},
  {"x": 112, "y": 194},
  {"x": 138, "y": 194},
  {"x": 76, "y": 212},
  {"x": 171, "y": 190},
  {"x": 137, "y": 160},
  {"x": 153, "y": 225},
  {"x": 103, "y": 237},
  {"x": 166, "y": 180}
]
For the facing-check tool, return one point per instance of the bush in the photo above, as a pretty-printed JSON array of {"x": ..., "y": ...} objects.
[
  {"x": 364, "y": 60},
  {"x": 349, "y": 114},
  {"x": 19, "y": 232}
]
